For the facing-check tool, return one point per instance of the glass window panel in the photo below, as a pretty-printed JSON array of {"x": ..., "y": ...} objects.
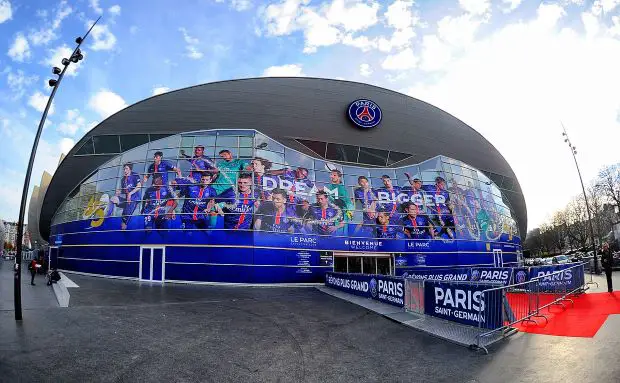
[
  {"x": 227, "y": 142},
  {"x": 396, "y": 157},
  {"x": 86, "y": 148},
  {"x": 413, "y": 171},
  {"x": 105, "y": 173},
  {"x": 206, "y": 140},
  {"x": 170, "y": 155},
  {"x": 107, "y": 186},
  {"x": 130, "y": 141},
  {"x": 295, "y": 159},
  {"x": 246, "y": 152},
  {"x": 106, "y": 144},
  {"x": 373, "y": 156},
  {"x": 187, "y": 141},
  {"x": 276, "y": 159},
  {"x": 246, "y": 141},
  {"x": 318, "y": 147},
  {"x": 134, "y": 155},
  {"x": 509, "y": 183},
  {"x": 167, "y": 142},
  {"x": 233, "y": 150},
  {"x": 322, "y": 177},
  {"x": 339, "y": 152},
  {"x": 351, "y": 174},
  {"x": 265, "y": 143}
]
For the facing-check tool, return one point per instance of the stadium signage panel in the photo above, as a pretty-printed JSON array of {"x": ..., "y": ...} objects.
[
  {"x": 463, "y": 303},
  {"x": 501, "y": 275},
  {"x": 364, "y": 113},
  {"x": 568, "y": 277},
  {"x": 390, "y": 290}
]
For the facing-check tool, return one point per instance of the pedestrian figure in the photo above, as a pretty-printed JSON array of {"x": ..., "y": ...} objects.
[
  {"x": 607, "y": 261},
  {"x": 33, "y": 270}
]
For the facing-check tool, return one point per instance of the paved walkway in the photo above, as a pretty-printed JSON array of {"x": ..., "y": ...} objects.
[
  {"x": 33, "y": 297},
  {"x": 126, "y": 331}
]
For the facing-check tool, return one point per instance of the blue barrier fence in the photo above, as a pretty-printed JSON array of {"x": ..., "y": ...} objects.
[{"x": 386, "y": 289}]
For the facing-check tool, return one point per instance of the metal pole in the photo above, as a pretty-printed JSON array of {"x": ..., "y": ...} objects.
[
  {"x": 17, "y": 293},
  {"x": 585, "y": 196}
]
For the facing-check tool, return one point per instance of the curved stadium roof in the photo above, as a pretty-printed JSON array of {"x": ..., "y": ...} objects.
[{"x": 288, "y": 110}]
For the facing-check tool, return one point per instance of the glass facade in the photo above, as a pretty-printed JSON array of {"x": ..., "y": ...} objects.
[{"x": 241, "y": 188}]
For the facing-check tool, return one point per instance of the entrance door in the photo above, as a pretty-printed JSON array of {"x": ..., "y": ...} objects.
[
  {"x": 52, "y": 257},
  {"x": 498, "y": 258},
  {"x": 152, "y": 262}
]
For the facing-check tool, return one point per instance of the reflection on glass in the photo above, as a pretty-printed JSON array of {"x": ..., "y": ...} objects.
[{"x": 439, "y": 199}]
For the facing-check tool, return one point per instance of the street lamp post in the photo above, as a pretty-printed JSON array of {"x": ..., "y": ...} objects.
[
  {"x": 573, "y": 151},
  {"x": 76, "y": 56}
]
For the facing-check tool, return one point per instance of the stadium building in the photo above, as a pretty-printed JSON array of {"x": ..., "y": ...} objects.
[{"x": 278, "y": 180}]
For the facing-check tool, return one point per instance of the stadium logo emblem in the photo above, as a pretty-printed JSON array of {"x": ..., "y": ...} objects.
[
  {"x": 520, "y": 276},
  {"x": 373, "y": 287},
  {"x": 475, "y": 275},
  {"x": 365, "y": 113}
]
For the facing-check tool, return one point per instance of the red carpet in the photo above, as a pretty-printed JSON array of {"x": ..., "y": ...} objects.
[{"x": 581, "y": 320}]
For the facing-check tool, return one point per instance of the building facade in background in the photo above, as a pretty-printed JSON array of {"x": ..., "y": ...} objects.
[{"x": 280, "y": 180}]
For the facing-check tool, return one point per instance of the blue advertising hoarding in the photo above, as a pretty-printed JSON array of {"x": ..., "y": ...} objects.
[
  {"x": 464, "y": 303},
  {"x": 558, "y": 278},
  {"x": 386, "y": 289}
]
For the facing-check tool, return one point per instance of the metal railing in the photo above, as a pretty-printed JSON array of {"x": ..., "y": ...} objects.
[
  {"x": 414, "y": 296},
  {"x": 522, "y": 302}
]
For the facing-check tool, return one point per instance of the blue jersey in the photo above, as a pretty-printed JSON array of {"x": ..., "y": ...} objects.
[
  {"x": 300, "y": 189},
  {"x": 155, "y": 200},
  {"x": 324, "y": 218},
  {"x": 391, "y": 230},
  {"x": 161, "y": 170},
  {"x": 416, "y": 228},
  {"x": 417, "y": 196},
  {"x": 129, "y": 183},
  {"x": 366, "y": 198},
  {"x": 261, "y": 191},
  {"x": 273, "y": 220},
  {"x": 388, "y": 199},
  {"x": 199, "y": 164},
  {"x": 441, "y": 197},
  {"x": 238, "y": 209},
  {"x": 197, "y": 198}
]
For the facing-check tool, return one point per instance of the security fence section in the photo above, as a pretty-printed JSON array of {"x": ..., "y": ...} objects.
[
  {"x": 490, "y": 300},
  {"x": 238, "y": 206},
  {"x": 469, "y": 304},
  {"x": 390, "y": 290}
]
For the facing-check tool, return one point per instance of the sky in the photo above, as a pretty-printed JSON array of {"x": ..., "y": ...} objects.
[{"x": 513, "y": 70}]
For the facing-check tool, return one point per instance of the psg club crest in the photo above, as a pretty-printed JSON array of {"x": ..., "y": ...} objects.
[
  {"x": 373, "y": 287},
  {"x": 365, "y": 113}
]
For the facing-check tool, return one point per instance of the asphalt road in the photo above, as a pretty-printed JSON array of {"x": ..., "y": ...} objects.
[{"x": 116, "y": 330}]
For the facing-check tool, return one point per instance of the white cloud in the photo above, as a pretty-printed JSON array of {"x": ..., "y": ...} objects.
[
  {"x": 18, "y": 82},
  {"x": 106, "y": 103},
  {"x": 517, "y": 84},
  {"x": 6, "y": 13},
  {"x": 20, "y": 49},
  {"x": 402, "y": 60},
  {"x": 115, "y": 10},
  {"x": 160, "y": 90},
  {"x": 38, "y": 101},
  {"x": 290, "y": 70},
  {"x": 55, "y": 59},
  {"x": 241, "y": 5},
  {"x": 103, "y": 39},
  {"x": 94, "y": 4},
  {"x": 511, "y": 5},
  {"x": 66, "y": 144},
  {"x": 361, "y": 42},
  {"x": 133, "y": 29},
  {"x": 458, "y": 31},
  {"x": 48, "y": 33},
  {"x": 400, "y": 16},
  {"x": 365, "y": 70},
  {"x": 435, "y": 53},
  {"x": 191, "y": 45},
  {"x": 74, "y": 123},
  {"x": 322, "y": 26},
  {"x": 476, "y": 7}
]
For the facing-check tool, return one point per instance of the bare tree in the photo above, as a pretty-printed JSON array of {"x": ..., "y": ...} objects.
[{"x": 608, "y": 183}]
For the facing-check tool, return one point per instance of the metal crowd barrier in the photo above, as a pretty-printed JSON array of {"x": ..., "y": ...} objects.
[
  {"x": 521, "y": 302},
  {"x": 414, "y": 296}
]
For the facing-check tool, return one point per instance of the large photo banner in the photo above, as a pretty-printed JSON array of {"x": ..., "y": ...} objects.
[{"x": 200, "y": 186}]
